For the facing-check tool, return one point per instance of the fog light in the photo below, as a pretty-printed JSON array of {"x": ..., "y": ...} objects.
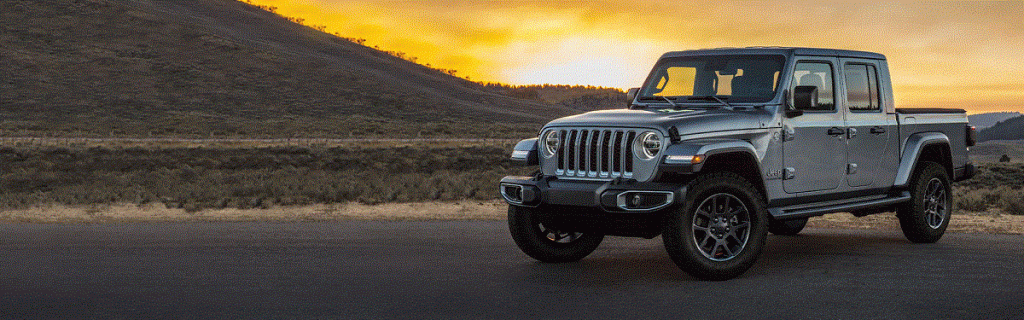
[
  {"x": 644, "y": 200},
  {"x": 512, "y": 193}
]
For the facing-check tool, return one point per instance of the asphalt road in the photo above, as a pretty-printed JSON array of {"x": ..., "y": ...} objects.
[{"x": 450, "y": 269}]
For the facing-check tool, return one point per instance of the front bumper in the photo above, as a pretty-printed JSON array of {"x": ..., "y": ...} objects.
[{"x": 619, "y": 195}]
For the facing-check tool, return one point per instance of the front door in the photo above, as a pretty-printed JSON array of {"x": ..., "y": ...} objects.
[{"x": 815, "y": 147}]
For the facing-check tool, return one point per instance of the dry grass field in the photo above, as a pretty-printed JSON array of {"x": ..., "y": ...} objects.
[
  {"x": 59, "y": 180},
  {"x": 201, "y": 177}
]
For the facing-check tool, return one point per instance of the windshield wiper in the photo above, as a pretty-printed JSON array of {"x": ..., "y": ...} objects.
[
  {"x": 671, "y": 101},
  {"x": 716, "y": 98},
  {"x": 665, "y": 98}
]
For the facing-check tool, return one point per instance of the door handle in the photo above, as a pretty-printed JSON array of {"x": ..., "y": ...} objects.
[
  {"x": 877, "y": 130},
  {"x": 836, "y": 131}
]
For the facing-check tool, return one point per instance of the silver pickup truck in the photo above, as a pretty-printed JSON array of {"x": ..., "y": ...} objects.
[{"x": 721, "y": 146}]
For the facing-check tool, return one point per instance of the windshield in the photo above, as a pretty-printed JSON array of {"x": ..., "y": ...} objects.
[{"x": 740, "y": 78}]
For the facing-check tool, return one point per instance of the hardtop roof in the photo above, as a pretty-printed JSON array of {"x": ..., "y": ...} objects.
[{"x": 787, "y": 51}]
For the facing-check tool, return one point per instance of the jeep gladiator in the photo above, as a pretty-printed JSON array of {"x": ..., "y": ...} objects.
[{"x": 719, "y": 147}]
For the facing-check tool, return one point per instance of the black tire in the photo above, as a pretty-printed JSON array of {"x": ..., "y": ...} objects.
[
  {"x": 683, "y": 227},
  {"x": 548, "y": 245},
  {"x": 788, "y": 227},
  {"x": 925, "y": 217}
]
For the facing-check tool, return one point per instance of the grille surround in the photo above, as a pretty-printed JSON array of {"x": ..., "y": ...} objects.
[{"x": 595, "y": 153}]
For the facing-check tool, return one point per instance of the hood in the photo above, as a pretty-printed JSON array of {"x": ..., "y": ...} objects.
[{"x": 686, "y": 121}]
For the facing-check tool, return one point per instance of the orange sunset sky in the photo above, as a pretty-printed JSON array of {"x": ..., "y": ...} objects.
[{"x": 942, "y": 54}]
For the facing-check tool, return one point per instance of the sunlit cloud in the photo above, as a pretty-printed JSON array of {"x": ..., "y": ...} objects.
[{"x": 942, "y": 53}]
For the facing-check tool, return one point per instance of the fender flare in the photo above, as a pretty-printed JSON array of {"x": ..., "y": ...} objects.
[
  {"x": 710, "y": 147},
  {"x": 525, "y": 153},
  {"x": 912, "y": 151}
]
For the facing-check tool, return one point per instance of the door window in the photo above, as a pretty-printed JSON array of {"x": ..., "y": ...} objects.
[
  {"x": 817, "y": 74},
  {"x": 861, "y": 87}
]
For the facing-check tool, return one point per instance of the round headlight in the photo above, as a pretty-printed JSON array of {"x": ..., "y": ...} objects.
[
  {"x": 551, "y": 141},
  {"x": 648, "y": 146}
]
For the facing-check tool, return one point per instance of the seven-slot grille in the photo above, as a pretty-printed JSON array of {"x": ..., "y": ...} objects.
[{"x": 595, "y": 153}]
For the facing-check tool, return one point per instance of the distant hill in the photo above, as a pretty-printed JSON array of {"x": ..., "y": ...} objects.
[
  {"x": 1009, "y": 129},
  {"x": 985, "y": 120},
  {"x": 580, "y": 98},
  {"x": 225, "y": 68}
]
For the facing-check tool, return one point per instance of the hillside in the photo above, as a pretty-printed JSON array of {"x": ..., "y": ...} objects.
[
  {"x": 225, "y": 68},
  {"x": 1009, "y": 129},
  {"x": 985, "y": 120}
]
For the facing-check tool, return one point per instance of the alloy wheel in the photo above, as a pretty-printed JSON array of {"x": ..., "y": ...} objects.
[{"x": 721, "y": 227}]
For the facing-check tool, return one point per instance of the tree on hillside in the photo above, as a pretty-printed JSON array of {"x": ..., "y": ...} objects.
[{"x": 1004, "y": 158}]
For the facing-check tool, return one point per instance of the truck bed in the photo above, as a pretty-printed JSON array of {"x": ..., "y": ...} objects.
[{"x": 950, "y": 122}]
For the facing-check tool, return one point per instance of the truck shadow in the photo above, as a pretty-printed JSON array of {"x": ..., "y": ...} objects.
[{"x": 635, "y": 261}]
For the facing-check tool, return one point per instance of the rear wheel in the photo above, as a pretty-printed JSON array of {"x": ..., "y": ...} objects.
[
  {"x": 925, "y": 217},
  {"x": 545, "y": 243},
  {"x": 787, "y": 227},
  {"x": 721, "y": 229}
]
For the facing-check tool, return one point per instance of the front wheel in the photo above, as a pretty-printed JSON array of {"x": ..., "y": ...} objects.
[
  {"x": 721, "y": 229},
  {"x": 545, "y": 243},
  {"x": 925, "y": 217}
]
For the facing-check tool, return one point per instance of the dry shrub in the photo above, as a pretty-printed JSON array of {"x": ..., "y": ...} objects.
[
  {"x": 1011, "y": 200},
  {"x": 971, "y": 200}
]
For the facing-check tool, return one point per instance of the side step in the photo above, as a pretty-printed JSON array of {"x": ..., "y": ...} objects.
[{"x": 804, "y": 210}]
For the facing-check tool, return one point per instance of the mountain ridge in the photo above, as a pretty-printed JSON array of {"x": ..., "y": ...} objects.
[
  {"x": 1009, "y": 129},
  {"x": 985, "y": 120}
]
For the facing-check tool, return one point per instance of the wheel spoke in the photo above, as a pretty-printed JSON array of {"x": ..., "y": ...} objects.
[
  {"x": 738, "y": 211},
  {"x": 573, "y": 236},
  {"x": 709, "y": 240},
  {"x": 734, "y": 236},
  {"x": 556, "y": 236},
  {"x": 728, "y": 252}
]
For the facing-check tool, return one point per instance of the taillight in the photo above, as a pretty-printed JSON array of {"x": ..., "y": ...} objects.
[{"x": 972, "y": 136}]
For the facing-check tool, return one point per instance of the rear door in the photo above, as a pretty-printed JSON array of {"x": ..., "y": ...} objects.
[
  {"x": 870, "y": 129},
  {"x": 815, "y": 147}
]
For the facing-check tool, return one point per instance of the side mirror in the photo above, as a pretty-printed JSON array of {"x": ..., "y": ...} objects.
[
  {"x": 788, "y": 103},
  {"x": 631, "y": 95},
  {"x": 804, "y": 98}
]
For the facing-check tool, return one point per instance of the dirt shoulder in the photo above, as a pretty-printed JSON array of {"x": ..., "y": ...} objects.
[
  {"x": 471, "y": 210},
  {"x": 968, "y": 222}
]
